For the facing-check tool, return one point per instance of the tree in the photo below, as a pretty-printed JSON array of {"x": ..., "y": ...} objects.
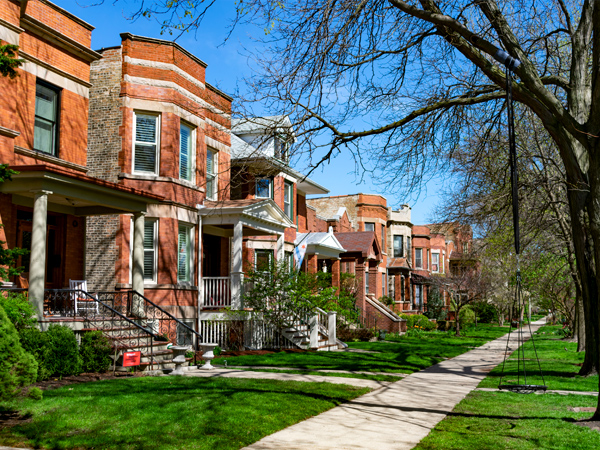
[{"x": 396, "y": 83}]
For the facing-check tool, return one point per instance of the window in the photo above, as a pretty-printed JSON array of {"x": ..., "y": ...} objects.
[
  {"x": 402, "y": 288},
  {"x": 263, "y": 259},
  {"x": 408, "y": 249},
  {"x": 145, "y": 148},
  {"x": 184, "y": 253},
  {"x": 211, "y": 174},
  {"x": 428, "y": 259},
  {"x": 435, "y": 262},
  {"x": 289, "y": 260},
  {"x": 186, "y": 153},
  {"x": 45, "y": 133},
  {"x": 288, "y": 199},
  {"x": 264, "y": 188},
  {"x": 465, "y": 247},
  {"x": 383, "y": 238},
  {"x": 367, "y": 280},
  {"x": 392, "y": 287},
  {"x": 383, "y": 284},
  {"x": 282, "y": 149},
  {"x": 398, "y": 246},
  {"x": 418, "y": 300},
  {"x": 369, "y": 226},
  {"x": 419, "y": 258},
  {"x": 185, "y": 336}
]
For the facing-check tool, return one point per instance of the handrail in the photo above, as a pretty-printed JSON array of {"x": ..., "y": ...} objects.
[
  {"x": 127, "y": 319},
  {"x": 169, "y": 314}
]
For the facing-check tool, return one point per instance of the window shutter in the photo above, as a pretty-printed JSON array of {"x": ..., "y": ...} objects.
[
  {"x": 145, "y": 143},
  {"x": 149, "y": 250},
  {"x": 182, "y": 251},
  {"x": 184, "y": 153}
]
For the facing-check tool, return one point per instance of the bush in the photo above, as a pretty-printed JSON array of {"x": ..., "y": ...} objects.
[
  {"x": 436, "y": 308},
  {"x": 63, "y": 355},
  {"x": 95, "y": 352},
  {"x": 19, "y": 311},
  {"x": 387, "y": 300},
  {"x": 347, "y": 334},
  {"x": 17, "y": 367},
  {"x": 35, "y": 393},
  {"x": 486, "y": 312},
  {"x": 466, "y": 316},
  {"x": 36, "y": 343},
  {"x": 419, "y": 321}
]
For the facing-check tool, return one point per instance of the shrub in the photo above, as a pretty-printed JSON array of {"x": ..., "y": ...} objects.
[
  {"x": 35, "y": 393},
  {"x": 36, "y": 343},
  {"x": 17, "y": 367},
  {"x": 420, "y": 321},
  {"x": 436, "y": 308},
  {"x": 486, "y": 312},
  {"x": 18, "y": 309},
  {"x": 466, "y": 316},
  {"x": 387, "y": 300},
  {"x": 95, "y": 352},
  {"x": 346, "y": 334},
  {"x": 63, "y": 355}
]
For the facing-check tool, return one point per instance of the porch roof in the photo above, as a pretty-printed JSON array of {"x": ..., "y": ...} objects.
[
  {"x": 364, "y": 243},
  {"x": 398, "y": 263},
  {"x": 321, "y": 243},
  {"x": 259, "y": 214},
  {"x": 75, "y": 193}
]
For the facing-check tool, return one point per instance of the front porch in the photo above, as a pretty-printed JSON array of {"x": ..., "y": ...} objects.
[{"x": 224, "y": 227}]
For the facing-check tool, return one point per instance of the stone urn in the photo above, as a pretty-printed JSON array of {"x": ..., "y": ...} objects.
[
  {"x": 178, "y": 358},
  {"x": 208, "y": 355}
]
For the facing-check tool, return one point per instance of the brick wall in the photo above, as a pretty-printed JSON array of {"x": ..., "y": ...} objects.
[{"x": 101, "y": 252}]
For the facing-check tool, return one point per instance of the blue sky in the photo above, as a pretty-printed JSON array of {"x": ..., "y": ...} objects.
[{"x": 226, "y": 68}]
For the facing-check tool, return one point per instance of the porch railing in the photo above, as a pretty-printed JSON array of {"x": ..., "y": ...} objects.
[{"x": 217, "y": 292}]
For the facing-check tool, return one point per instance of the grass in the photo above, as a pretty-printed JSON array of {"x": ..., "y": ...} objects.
[
  {"x": 505, "y": 420},
  {"x": 169, "y": 413},
  {"x": 558, "y": 359},
  {"x": 403, "y": 355}
]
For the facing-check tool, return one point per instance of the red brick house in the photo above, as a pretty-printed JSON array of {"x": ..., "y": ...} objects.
[{"x": 44, "y": 136}]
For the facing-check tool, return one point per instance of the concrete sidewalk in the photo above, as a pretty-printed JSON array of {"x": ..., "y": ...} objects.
[{"x": 397, "y": 416}]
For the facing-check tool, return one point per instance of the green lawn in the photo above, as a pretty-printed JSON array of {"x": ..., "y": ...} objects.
[
  {"x": 558, "y": 360},
  {"x": 505, "y": 420},
  {"x": 403, "y": 355},
  {"x": 169, "y": 413}
]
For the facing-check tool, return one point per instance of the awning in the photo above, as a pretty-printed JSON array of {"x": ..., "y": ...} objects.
[{"x": 322, "y": 244}]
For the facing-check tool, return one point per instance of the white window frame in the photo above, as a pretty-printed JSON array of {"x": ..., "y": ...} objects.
[
  {"x": 211, "y": 194},
  {"x": 192, "y": 155},
  {"x": 157, "y": 143},
  {"x": 154, "y": 279},
  {"x": 189, "y": 230},
  {"x": 433, "y": 254},
  {"x": 270, "y": 180},
  {"x": 417, "y": 265},
  {"x": 270, "y": 252}
]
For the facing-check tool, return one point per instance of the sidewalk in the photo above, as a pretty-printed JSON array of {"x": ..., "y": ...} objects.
[{"x": 397, "y": 416}]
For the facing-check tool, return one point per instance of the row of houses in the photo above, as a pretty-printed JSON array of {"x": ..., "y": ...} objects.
[{"x": 133, "y": 175}]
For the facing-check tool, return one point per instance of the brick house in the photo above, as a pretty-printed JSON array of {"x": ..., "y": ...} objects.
[{"x": 43, "y": 135}]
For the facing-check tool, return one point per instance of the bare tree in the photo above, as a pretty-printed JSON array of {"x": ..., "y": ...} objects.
[{"x": 396, "y": 83}]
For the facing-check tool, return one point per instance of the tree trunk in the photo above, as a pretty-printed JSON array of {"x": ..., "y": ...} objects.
[
  {"x": 579, "y": 321},
  {"x": 458, "y": 308}
]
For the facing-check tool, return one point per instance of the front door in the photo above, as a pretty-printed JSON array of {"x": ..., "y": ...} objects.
[{"x": 54, "y": 247}]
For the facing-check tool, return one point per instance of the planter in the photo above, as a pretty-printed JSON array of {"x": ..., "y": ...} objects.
[
  {"x": 208, "y": 355},
  {"x": 179, "y": 358}
]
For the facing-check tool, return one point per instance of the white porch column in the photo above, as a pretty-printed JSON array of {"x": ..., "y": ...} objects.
[
  {"x": 137, "y": 269},
  {"x": 331, "y": 325},
  {"x": 237, "y": 275},
  {"x": 314, "y": 330},
  {"x": 199, "y": 275},
  {"x": 280, "y": 239},
  {"x": 37, "y": 265}
]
